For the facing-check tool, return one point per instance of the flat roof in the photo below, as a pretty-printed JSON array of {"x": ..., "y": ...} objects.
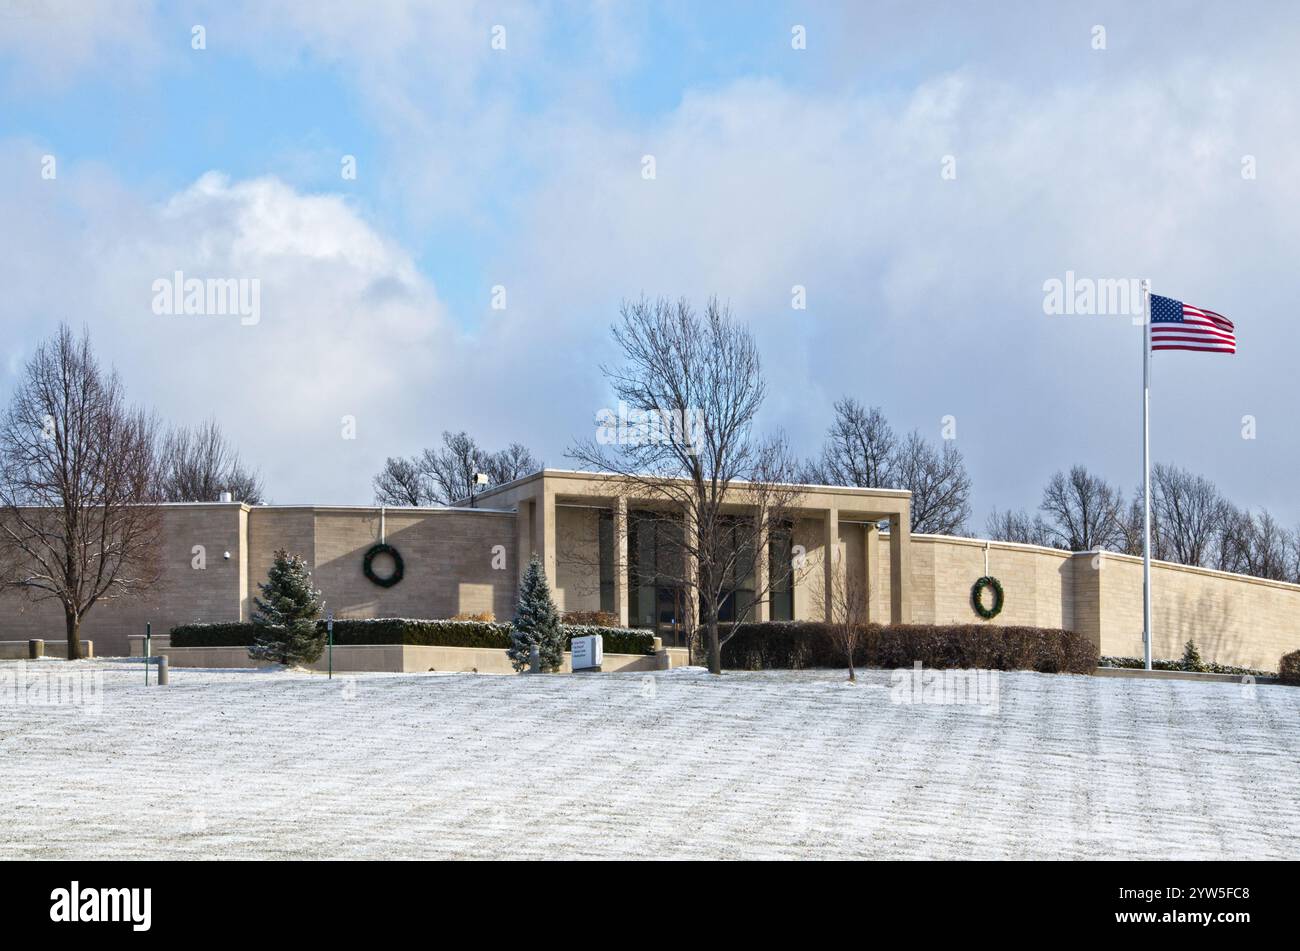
[{"x": 616, "y": 476}]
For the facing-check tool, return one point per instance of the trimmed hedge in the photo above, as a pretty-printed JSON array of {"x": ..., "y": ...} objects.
[
  {"x": 1138, "y": 663},
  {"x": 616, "y": 640},
  {"x": 796, "y": 645},
  {"x": 1289, "y": 669},
  {"x": 590, "y": 618},
  {"x": 234, "y": 634},
  {"x": 418, "y": 632},
  {"x": 413, "y": 631}
]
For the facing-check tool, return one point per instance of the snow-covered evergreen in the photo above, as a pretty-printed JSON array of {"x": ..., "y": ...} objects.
[
  {"x": 537, "y": 622},
  {"x": 286, "y": 614}
]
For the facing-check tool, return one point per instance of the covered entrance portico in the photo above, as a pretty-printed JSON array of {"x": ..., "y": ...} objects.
[{"x": 603, "y": 552}]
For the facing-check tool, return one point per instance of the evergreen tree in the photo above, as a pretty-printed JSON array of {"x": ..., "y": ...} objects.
[
  {"x": 1192, "y": 657},
  {"x": 286, "y": 614},
  {"x": 537, "y": 622}
]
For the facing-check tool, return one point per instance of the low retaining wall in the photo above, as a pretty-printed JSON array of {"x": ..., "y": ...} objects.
[
  {"x": 17, "y": 650},
  {"x": 135, "y": 644},
  {"x": 398, "y": 658},
  {"x": 1184, "y": 675},
  {"x": 1235, "y": 620}
]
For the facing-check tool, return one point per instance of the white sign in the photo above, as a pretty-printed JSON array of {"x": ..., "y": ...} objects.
[{"x": 588, "y": 652}]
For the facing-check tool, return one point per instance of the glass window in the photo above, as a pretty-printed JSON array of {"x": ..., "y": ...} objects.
[
  {"x": 736, "y": 545},
  {"x": 657, "y": 599},
  {"x": 605, "y": 532},
  {"x": 780, "y": 547}
]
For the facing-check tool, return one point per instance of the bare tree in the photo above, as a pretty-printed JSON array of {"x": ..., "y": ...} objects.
[
  {"x": 859, "y": 449},
  {"x": 1265, "y": 547},
  {"x": 846, "y": 610},
  {"x": 1191, "y": 523},
  {"x": 1083, "y": 511},
  {"x": 245, "y": 485},
  {"x": 862, "y": 450},
  {"x": 450, "y": 473},
  {"x": 513, "y": 462},
  {"x": 197, "y": 464},
  {"x": 1186, "y": 510},
  {"x": 451, "y": 470},
  {"x": 938, "y": 482},
  {"x": 402, "y": 482},
  {"x": 1018, "y": 526},
  {"x": 696, "y": 384},
  {"x": 78, "y": 492},
  {"x": 1130, "y": 526}
]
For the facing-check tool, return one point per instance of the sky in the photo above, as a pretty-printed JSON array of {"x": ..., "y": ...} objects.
[{"x": 920, "y": 170}]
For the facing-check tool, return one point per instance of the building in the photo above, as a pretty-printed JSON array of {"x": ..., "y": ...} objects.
[{"x": 583, "y": 526}]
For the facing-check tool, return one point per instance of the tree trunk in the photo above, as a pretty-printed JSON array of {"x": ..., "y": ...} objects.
[
  {"x": 74, "y": 634},
  {"x": 715, "y": 648}
]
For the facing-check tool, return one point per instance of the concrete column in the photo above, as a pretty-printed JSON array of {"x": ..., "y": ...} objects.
[
  {"x": 524, "y": 536},
  {"x": 544, "y": 533},
  {"x": 830, "y": 564},
  {"x": 871, "y": 570},
  {"x": 763, "y": 609},
  {"x": 621, "y": 564},
  {"x": 900, "y": 569},
  {"x": 245, "y": 602}
]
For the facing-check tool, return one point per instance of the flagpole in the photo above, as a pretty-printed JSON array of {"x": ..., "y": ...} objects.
[{"x": 1146, "y": 472}]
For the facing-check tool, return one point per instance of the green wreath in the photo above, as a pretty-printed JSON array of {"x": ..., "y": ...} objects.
[
  {"x": 977, "y": 597},
  {"x": 369, "y": 568}
]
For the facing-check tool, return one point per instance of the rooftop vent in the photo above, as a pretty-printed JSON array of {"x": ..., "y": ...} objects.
[{"x": 227, "y": 497}]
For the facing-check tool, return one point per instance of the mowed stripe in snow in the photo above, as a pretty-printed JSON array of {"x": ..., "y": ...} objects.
[{"x": 669, "y": 765}]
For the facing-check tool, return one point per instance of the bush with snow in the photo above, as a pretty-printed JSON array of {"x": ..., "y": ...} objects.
[
  {"x": 537, "y": 623},
  {"x": 285, "y": 620}
]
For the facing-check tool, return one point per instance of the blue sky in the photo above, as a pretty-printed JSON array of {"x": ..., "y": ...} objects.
[{"x": 775, "y": 167}]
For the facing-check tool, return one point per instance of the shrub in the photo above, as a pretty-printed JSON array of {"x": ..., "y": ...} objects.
[
  {"x": 285, "y": 619},
  {"x": 590, "y": 618},
  {"x": 1191, "y": 658},
  {"x": 489, "y": 634},
  {"x": 1137, "y": 663},
  {"x": 614, "y": 640},
  {"x": 416, "y": 632},
  {"x": 803, "y": 644},
  {"x": 537, "y": 624},
  {"x": 486, "y": 616},
  {"x": 233, "y": 634},
  {"x": 1289, "y": 668}
]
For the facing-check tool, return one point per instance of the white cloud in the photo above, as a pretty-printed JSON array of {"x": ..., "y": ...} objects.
[
  {"x": 924, "y": 295},
  {"x": 348, "y": 325},
  {"x": 50, "y": 42}
]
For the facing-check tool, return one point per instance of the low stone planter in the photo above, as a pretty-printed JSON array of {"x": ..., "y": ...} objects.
[
  {"x": 1179, "y": 675},
  {"x": 397, "y": 658},
  {"x": 58, "y": 647}
]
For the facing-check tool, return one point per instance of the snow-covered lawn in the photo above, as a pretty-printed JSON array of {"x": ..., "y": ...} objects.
[{"x": 670, "y": 765}]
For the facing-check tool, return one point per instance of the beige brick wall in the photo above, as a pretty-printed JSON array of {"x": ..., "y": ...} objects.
[
  {"x": 293, "y": 529},
  {"x": 577, "y": 560},
  {"x": 448, "y": 557},
  {"x": 1085, "y": 597},
  {"x": 1036, "y": 582},
  {"x": 183, "y": 593},
  {"x": 1233, "y": 619},
  {"x": 808, "y": 603},
  {"x": 1244, "y": 622}
]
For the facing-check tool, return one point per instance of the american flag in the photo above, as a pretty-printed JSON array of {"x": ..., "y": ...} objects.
[{"x": 1179, "y": 326}]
